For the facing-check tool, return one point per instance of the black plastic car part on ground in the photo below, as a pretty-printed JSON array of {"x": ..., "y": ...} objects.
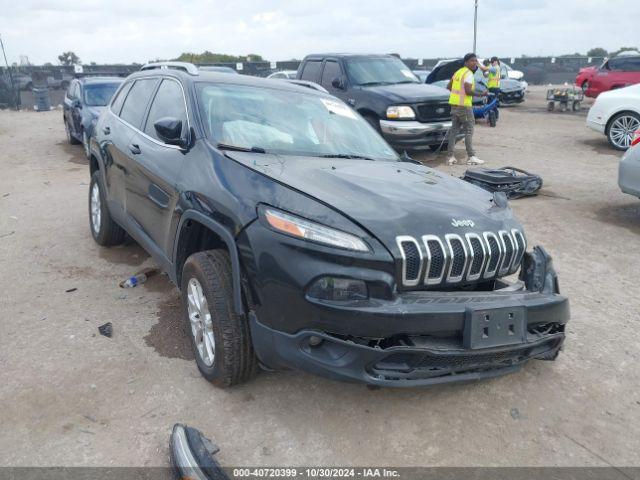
[
  {"x": 301, "y": 240},
  {"x": 409, "y": 114},
  {"x": 84, "y": 101}
]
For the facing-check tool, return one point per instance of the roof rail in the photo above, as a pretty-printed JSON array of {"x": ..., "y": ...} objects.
[{"x": 190, "y": 68}]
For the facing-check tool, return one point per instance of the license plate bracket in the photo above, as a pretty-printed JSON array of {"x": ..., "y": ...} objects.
[{"x": 494, "y": 327}]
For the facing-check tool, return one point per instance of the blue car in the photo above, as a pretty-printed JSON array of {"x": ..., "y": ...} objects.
[{"x": 85, "y": 99}]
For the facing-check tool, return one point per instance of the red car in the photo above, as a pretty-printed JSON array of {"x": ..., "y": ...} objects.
[{"x": 616, "y": 72}]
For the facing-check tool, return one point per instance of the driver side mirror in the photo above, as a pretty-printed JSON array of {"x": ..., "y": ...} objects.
[
  {"x": 170, "y": 131},
  {"x": 337, "y": 83}
]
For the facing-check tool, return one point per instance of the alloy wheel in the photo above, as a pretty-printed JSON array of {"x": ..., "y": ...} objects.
[
  {"x": 622, "y": 129},
  {"x": 96, "y": 215},
  {"x": 201, "y": 323}
]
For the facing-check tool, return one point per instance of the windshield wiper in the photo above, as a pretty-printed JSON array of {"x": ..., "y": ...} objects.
[
  {"x": 370, "y": 84},
  {"x": 346, "y": 155},
  {"x": 236, "y": 148}
]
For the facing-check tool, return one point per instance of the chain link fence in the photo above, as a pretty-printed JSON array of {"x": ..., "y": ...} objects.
[{"x": 17, "y": 83}]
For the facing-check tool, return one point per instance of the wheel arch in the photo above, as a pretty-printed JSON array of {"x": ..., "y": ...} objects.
[
  {"x": 617, "y": 113},
  {"x": 197, "y": 232}
]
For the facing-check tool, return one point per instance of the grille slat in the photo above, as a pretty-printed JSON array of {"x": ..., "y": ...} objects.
[
  {"x": 507, "y": 243},
  {"x": 437, "y": 259}
]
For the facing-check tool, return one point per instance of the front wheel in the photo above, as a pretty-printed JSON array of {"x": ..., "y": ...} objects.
[
  {"x": 220, "y": 338},
  {"x": 70, "y": 138},
  {"x": 493, "y": 119},
  {"x": 104, "y": 230},
  {"x": 621, "y": 129}
]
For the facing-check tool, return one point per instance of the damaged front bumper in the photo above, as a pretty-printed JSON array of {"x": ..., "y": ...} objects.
[{"x": 431, "y": 337}]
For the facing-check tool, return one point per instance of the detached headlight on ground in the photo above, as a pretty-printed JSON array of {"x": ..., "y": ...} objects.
[
  {"x": 400, "y": 112},
  {"x": 305, "y": 229}
]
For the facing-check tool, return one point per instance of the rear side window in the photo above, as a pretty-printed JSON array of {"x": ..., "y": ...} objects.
[
  {"x": 168, "y": 102},
  {"x": 331, "y": 71},
  {"x": 311, "y": 71},
  {"x": 117, "y": 102},
  {"x": 632, "y": 64},
  {"x": 136, "y": 102}
]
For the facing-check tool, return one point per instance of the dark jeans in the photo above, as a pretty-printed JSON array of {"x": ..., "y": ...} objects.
[{"x": 462, "y": 119}]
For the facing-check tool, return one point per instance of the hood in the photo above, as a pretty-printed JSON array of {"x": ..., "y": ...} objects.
[
  {"x": 93, "y": 111},
  {"x": 510, "y": 85},
  {"x": 445, "y": 71},
  {"x": 409, "y": 92},
  {"x": 587, "y": 69},
  {"x": 386, "y": 198}
]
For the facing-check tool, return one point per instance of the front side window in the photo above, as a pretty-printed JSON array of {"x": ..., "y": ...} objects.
[
  {"x": 331, "y": 71},
  {"x": 137, "y": 100},
  {"x": 379, "y": 71},
  {"x": 168, "y": 103},
  {"x": 287, "y": 123},
  {"x": 98, "y": 95}
]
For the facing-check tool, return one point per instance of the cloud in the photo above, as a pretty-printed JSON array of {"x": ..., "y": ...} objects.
[{"x": 128, "y": 31}]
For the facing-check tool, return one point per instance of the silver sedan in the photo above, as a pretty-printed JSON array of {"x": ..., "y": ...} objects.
[{"x": 629, "y": 171}]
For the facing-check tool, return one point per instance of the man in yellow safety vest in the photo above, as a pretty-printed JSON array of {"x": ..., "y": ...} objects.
[
  {"x": 462, "y": 85},
  {"x": 493, "y": 79}
]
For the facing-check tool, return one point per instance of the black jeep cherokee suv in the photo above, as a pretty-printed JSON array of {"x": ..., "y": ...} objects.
[
  {"x": 409, "y": 114},
  {"x": 300, "y": 239}
]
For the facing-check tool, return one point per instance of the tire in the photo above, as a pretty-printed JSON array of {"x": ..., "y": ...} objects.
[
  {"x": 620, "y": 129},
  {"x": 104, "y": 230},
  {"x": 70, "y": 138},
  {"x": 228, "y": 359},
  {"x": 551, "y": 106},
  {"x": 492, "y": 119}
]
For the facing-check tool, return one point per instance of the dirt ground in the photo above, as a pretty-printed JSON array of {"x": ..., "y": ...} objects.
[{"x": 70, "y": 396}]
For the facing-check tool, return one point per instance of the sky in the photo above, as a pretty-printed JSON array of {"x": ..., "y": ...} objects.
[{"x": 125, "y": 31}]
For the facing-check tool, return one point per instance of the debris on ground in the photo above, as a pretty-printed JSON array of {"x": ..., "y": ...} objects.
[
  {"x": 192, "y": 454},
  {"x": 69, "y": 290},
  {"x": 515, "y": 413},
  {"x": 139, "y": 278},
  {"x": 7, "y": 234},
  {"x": 106, "y": 329},
  {"x": 514, "y": 182}
]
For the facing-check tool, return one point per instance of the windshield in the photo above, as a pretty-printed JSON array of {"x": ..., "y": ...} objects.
[
  {"x": 98, "y": 95},
  {"x": 379, "y": 71},
  {"x": 287, "y": 123}
]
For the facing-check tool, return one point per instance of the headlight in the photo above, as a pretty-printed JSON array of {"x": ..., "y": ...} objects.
[
  {"x": 400, "y": 112},
  {"x": 307, "y": 230}
]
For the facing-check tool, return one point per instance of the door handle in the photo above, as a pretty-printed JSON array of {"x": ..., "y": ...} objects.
[
  {"x": 135, "y": 149},
  {"x": 106, "y": 130}
]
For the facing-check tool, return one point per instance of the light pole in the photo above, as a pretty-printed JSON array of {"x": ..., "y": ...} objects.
[{"x": 475, "y": 25}]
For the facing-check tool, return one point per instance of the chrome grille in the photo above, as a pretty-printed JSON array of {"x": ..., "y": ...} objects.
[{"x": 457, "y": 259}]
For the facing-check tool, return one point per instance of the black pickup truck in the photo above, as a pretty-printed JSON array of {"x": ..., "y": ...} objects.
[
  {"x": 409, "y": 114},
  {"x": 300, "y": 239}
]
